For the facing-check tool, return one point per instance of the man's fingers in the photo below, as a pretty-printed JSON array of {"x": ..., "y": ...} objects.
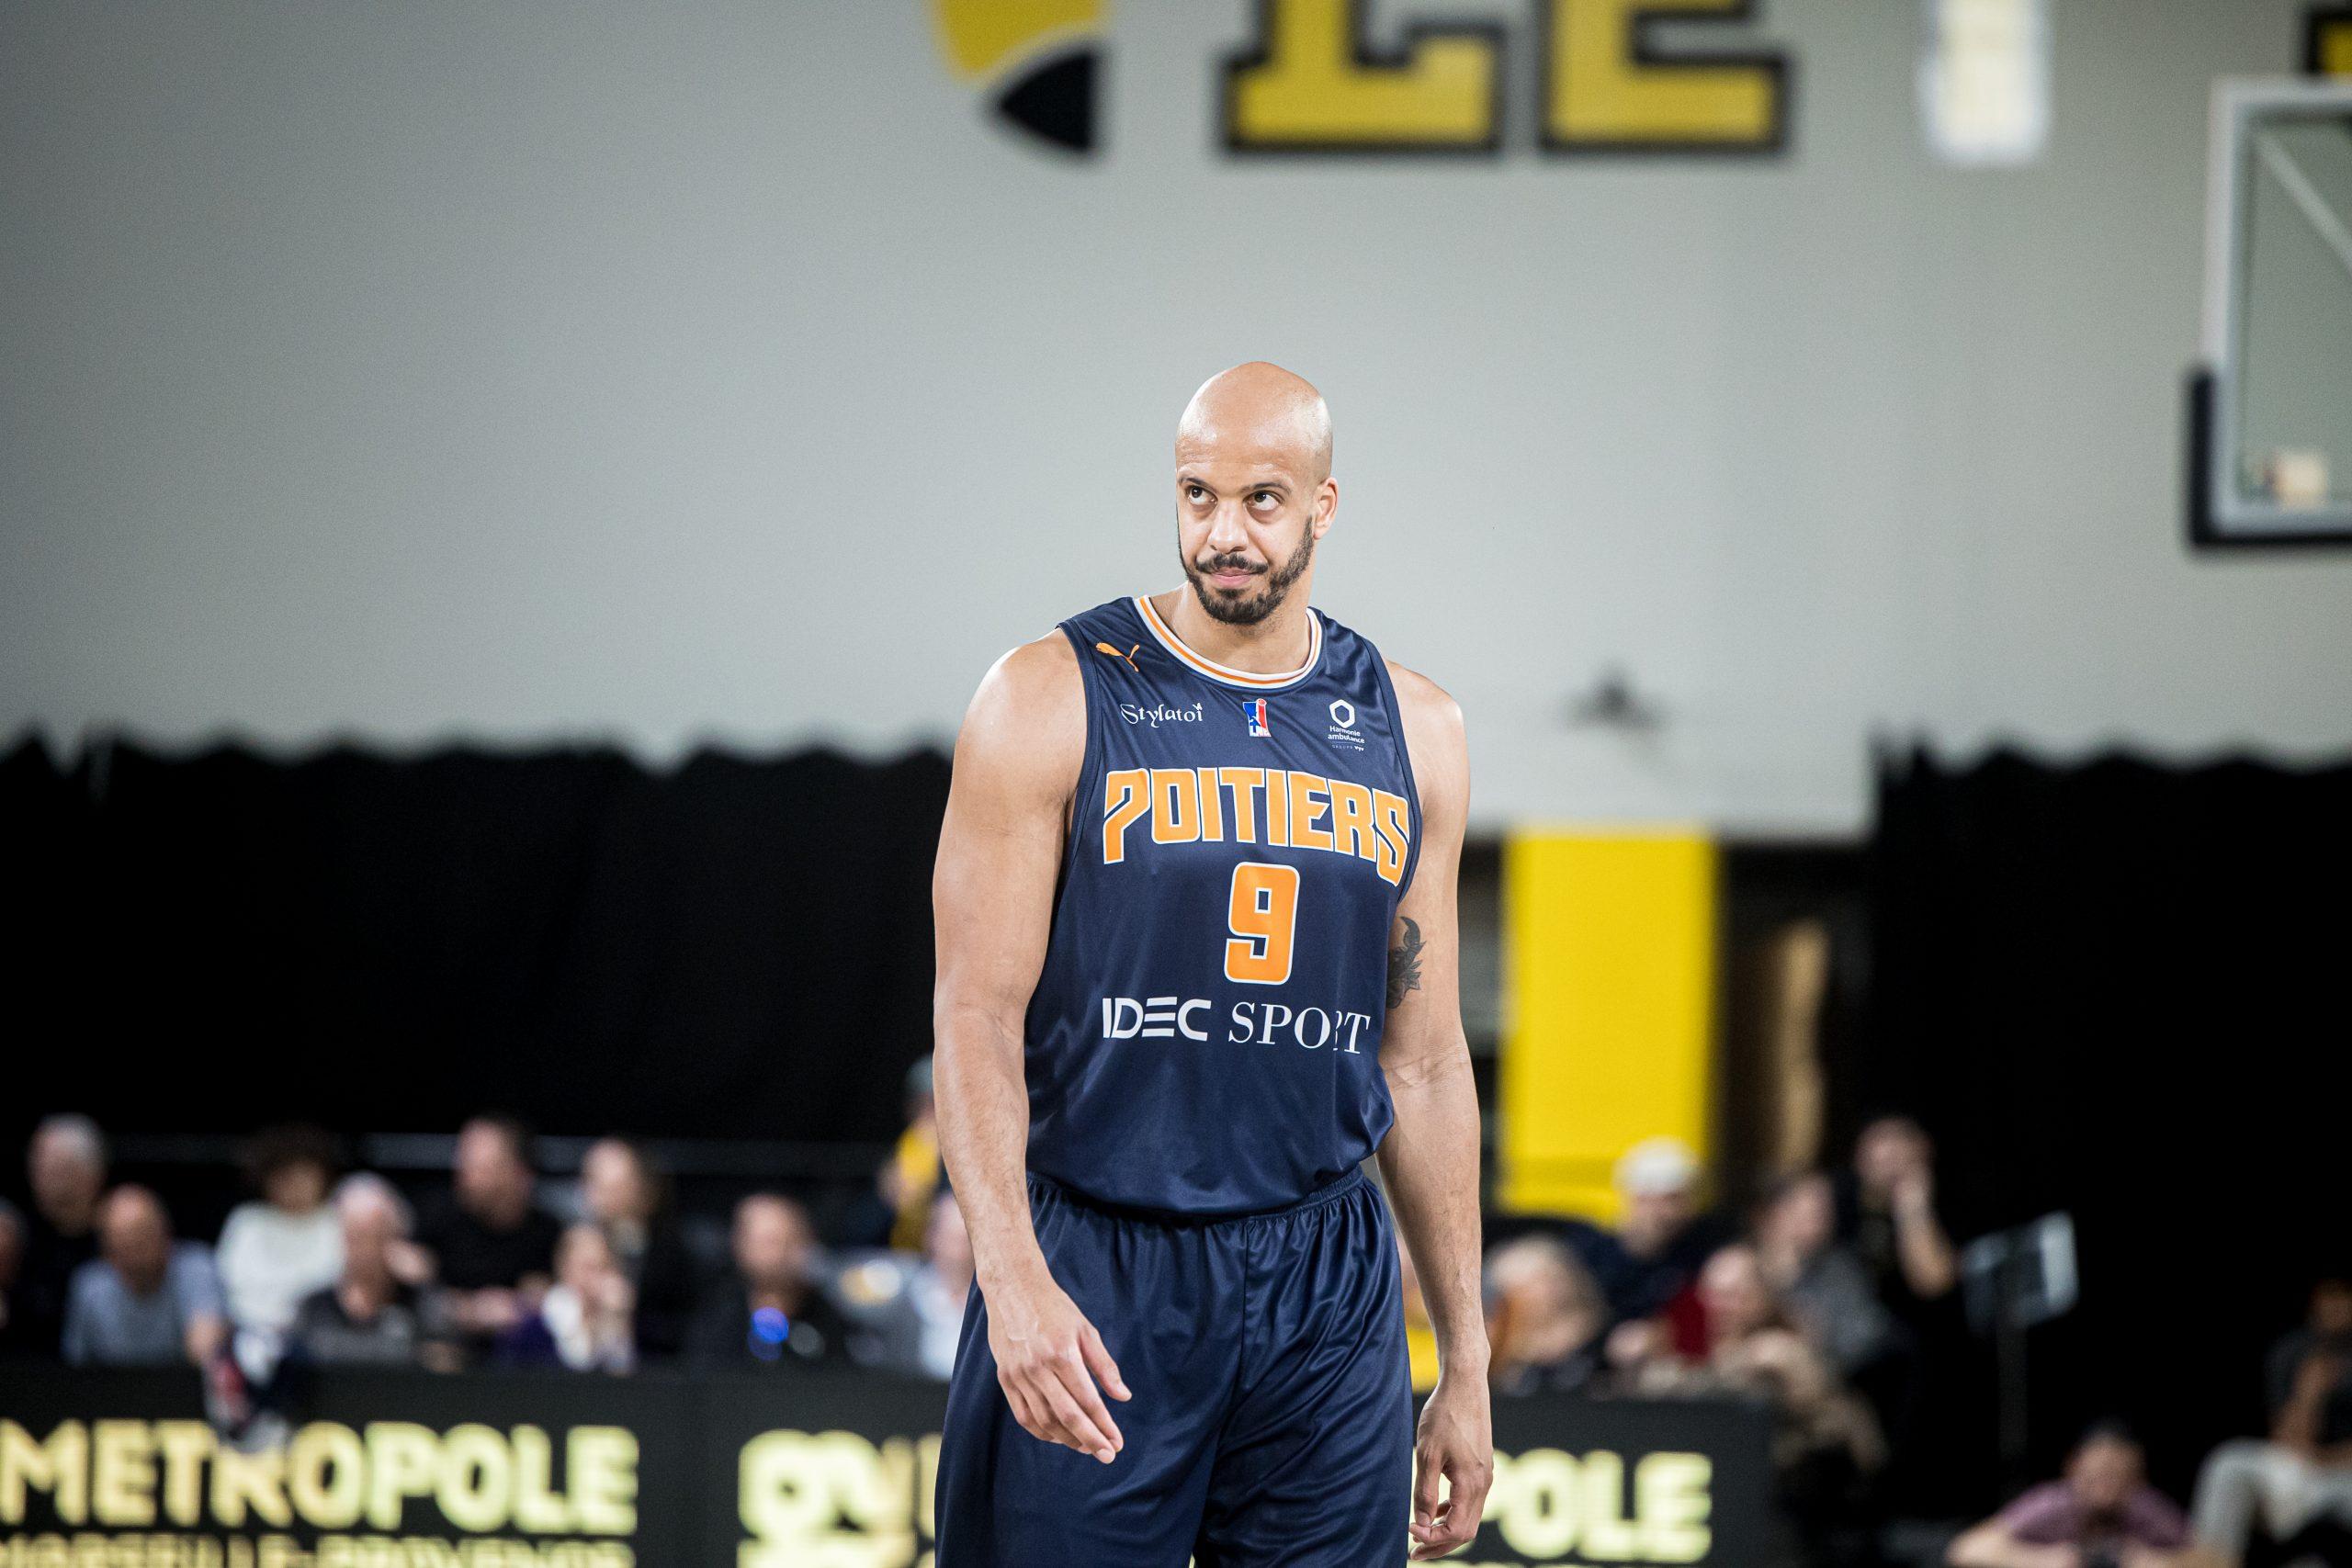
[
  {"x": 1439, "y": 1527},
  {"x": 1467, "y": 1488},
  {"x": 1070, "y": 1369},
  {"x": 1025, "y": 1410},
  {"x": 1452, "y": 1532},
  {"x": 1035, "y": 1416},
  {"x": 1425, "y": 1488},
  {"x": 1084, "y": 1433},
  {"x": 1461, "y": 1521},
  {"x": 1099, "y": 1362}
]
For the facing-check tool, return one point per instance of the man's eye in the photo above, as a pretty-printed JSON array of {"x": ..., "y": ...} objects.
[
  {"x": 1263, "y": 497},
  {"x": 1194, "y": 492}
]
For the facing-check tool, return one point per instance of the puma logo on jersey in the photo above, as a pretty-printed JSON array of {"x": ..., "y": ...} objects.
[{"x": 1129, "y": 656}]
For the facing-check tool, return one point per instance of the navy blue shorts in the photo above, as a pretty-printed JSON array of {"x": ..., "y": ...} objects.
[{"x": 1273, "y": 1417}]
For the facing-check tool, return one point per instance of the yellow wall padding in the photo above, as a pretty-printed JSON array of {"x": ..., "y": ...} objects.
[{"x": 1608, "y": 1008}]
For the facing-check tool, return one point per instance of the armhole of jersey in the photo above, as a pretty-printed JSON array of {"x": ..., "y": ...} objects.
[
  {"x": 1405, "y": 765},
  {"x": 1079, "y": 792}
]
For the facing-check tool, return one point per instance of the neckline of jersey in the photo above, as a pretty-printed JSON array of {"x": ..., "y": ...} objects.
[{"x": 1249, "y": 679}]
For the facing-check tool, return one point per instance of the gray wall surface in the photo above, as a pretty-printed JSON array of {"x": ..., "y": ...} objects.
[{"x": 514, "y": 370}]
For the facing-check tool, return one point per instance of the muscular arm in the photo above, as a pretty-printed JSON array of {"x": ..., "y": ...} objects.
[
  {"x": 1429, "y": 1159},
  {"x": 1017, "y": 762}
]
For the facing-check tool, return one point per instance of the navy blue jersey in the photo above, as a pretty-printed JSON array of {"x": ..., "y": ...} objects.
[{"x": 1205, "y": 1035}]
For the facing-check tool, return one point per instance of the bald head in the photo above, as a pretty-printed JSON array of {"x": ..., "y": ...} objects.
[
  {"x": 135, "y": 1237},
  {"x": 1259, "y": 413}
]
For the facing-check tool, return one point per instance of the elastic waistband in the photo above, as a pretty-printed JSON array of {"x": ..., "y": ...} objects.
[{"x": 1355, "y": 1180}]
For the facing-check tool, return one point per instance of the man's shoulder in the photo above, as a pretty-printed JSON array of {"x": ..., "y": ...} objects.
[
  {"x": 1417, "y": 692},
  {"x": 1426, "y": 711},
  {"x": 1027, "y": 721},
  {"x": 1042, "y": 671},
  {"x": 1435, "y": 741},
  {"x": 91, "y": 1279}
]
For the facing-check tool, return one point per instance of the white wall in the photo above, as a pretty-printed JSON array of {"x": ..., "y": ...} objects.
[{"x": 515, "y": 369}]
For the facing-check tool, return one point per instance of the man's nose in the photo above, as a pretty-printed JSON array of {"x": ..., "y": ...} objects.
[{"x": 1226, "y": 533}]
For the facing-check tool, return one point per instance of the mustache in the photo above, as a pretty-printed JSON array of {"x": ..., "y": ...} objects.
[{"x": 1230, "y": 563}]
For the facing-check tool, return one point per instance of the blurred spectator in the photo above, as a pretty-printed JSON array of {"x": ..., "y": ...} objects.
[
  {"x": 913, "y": 1174},
  {"x": 1825, "y": 1439},
  {"x": 628, "y": 1197},
  {"x": 1828, "y": 1290},
  {"x": 2303, "y": 1473},
  {"x": 1646, "y": 1267},
  {"x": 2102, "y": 1514},
  {"x": 1931, "y": 1390},
  {"x": 14, "y": 1336},
  {"x": 585, "y": 1321},
  {"x": 143, "y": 1300},
  {"x": 1545, "y": 1318},
  {"x": 1891, "y": 1220},
  {"x": 912, "y": 1314},
  {"x": 275, "y": 1252},
  {"x": 897, "y": 1210},
  {"x": 370, "y": 1316},
  {"x": 772, "y": 1310},
  {"x": 491, "y": 1244},
  {"x": 66, "y": 1163}
]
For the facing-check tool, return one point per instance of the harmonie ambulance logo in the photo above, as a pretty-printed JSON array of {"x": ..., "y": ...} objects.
[
  {"x": 1039, "y": 63},
  {"x": 1254, "y": 710}
]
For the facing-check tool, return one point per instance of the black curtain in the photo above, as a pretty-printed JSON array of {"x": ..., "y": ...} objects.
[
  {"x": 2119, "y": 989},
  {"x": 735, "y": 948}
]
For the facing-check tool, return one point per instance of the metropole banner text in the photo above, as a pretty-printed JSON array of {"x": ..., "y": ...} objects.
[{"x": 809, "y": 1470}]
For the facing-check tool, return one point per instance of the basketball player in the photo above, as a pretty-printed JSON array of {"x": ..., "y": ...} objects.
[{"x": 1195, "y": 901}]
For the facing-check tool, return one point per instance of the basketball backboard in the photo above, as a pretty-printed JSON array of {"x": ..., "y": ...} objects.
[{"x": 2270, "y": 451}]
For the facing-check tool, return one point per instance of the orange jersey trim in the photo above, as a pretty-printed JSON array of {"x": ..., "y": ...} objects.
[{"x": 1225, "y": 673}]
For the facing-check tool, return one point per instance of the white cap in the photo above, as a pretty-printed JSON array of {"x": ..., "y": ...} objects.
[{"x": 1657, "y": 1165}]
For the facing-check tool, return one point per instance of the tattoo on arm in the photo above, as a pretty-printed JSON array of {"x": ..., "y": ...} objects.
[{"x": 1405, "y": 964}]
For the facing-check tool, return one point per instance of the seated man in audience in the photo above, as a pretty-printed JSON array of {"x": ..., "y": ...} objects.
[
  {"x": 143, "y": 1300},
  {"x": 1825, "y": 1444},
  {"x": 2101, "y": 1514},
  {"x": 1646, "y": 1266},
  {"x": 586, "y": 1320},
  {"x": 66, "y": 1163},
  {"x": 910, "y": 1312},
  {"x": 370, "y": 1316},
  {"x": 491, "y": 1245},
  {"x": 1545, "y": 1318},
  {"x": 1826, "y": 1287},
  {"x": 771, "y": 1312},
  {"x": 2302, "y": 1474}
]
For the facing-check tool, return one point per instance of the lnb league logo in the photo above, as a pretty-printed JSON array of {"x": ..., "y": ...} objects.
[{"x": 1037, "y": 61}]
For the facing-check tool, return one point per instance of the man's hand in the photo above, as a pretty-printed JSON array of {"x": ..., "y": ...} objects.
[
  {"x": 1047, "y": 1360},
  {"x": 1456, "y": 1441}
]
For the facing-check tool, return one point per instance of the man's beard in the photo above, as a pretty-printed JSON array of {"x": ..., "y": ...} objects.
[{"x": 1250, "y": 608}]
